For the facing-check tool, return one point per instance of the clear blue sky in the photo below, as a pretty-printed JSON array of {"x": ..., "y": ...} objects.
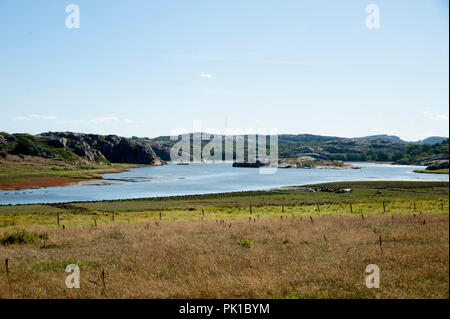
[{"x": 147, "y": 67}]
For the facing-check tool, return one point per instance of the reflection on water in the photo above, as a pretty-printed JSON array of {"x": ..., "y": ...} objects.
[{"x": 171, "y": 180}]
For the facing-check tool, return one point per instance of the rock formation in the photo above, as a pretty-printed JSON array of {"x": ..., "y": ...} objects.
[{"x": 110, "y": 148}]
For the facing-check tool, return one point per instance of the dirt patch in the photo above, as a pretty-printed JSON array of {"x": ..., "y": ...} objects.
[{"x": 43, "y": 182}]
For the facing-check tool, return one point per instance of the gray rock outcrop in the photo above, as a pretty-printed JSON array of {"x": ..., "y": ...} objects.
[{"x": 110, "y": 148}]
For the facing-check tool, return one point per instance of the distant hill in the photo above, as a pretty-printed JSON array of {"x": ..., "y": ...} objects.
[
  {"x": 432, "y": 140},
  {"x": 392, "y": 138},
  {"x": 368, "y": 148}
]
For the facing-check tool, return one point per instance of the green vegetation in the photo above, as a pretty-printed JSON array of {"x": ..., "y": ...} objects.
[
  {"x": 418, "y": 151},
  {"x": 26, "y": 144}
]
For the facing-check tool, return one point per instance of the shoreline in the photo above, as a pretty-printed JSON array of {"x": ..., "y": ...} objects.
[{"x": 289, "y": 188}]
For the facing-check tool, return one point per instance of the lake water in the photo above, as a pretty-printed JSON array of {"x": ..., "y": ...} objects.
[{"x": 200, "y": 178}]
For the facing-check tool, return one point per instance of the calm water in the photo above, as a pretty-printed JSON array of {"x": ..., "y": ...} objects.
[{"x": 173, "y": 179}]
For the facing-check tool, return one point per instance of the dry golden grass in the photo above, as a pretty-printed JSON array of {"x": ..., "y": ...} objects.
[{"x": 288, "y": 258}]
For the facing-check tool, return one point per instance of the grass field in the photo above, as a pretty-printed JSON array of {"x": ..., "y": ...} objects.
[{"x": 288, "y": 243}]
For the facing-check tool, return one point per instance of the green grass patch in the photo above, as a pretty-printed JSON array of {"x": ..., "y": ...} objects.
[{"x": 246, "y": 243}]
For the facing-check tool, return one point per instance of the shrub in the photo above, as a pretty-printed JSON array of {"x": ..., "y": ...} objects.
[
  {"x": 19, "y": 237},
  {"x": 25, "y": 146}
]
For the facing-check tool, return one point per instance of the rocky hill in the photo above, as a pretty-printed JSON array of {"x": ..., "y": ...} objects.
[{"x": 70, "y": 147}]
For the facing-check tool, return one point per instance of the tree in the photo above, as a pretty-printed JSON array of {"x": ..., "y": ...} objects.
[
  {"x": 382, "y": 157},
  {"x": 397, "y": 155}
]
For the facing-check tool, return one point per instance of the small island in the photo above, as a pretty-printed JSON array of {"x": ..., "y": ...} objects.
[{"x": 440, "y": 167}]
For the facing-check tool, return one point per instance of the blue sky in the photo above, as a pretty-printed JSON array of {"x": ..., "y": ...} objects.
[{"x": 148, "y": 67}]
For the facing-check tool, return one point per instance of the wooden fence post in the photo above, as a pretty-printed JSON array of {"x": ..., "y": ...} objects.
[{"x": 103, "y": 280}]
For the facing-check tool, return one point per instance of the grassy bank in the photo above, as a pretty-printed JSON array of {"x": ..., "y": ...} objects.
[
  {"x": 29, "y": 172},
  {"x": 436, "y": 171},
  {"x": 290, "y": 243}
]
